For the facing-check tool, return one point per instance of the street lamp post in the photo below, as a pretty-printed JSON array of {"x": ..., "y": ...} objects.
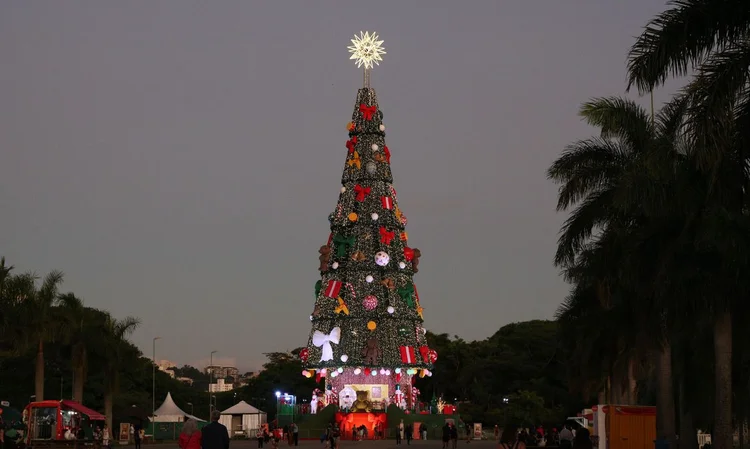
[
  {"x": 153, "y": 380},
  {"x": 210, "y": 381}
]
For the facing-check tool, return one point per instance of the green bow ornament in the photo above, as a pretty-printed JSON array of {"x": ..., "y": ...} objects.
[
  {"x": 343, "y": 244},
  {"x": 407, "y": 294}
]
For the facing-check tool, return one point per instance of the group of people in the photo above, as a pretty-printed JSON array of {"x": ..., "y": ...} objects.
[
  {"x": 213, "y": 436},
  {"x": 520, "y": 438}
]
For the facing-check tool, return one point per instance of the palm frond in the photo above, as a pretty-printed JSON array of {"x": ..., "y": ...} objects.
[
  {"x": 584, "y": 167},
  {"x": 619, "y": 118},
  {"x": 591, "y": 213},
  {"x": 714, "y": 95},
  {"x": 681, "y": 37}
]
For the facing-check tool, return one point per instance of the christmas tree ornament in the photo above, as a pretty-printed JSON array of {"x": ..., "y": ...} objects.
[
  {"x": 342, "y": 244},
  {"x": 371, "y": 351},
  {"x": 388, "y": 283},
  {"x": 333, "y": 288},
  {"x": 368, "y": 279},
  {"x": 351, "y": 144},
  {"x": 403, "y": 332},
  {"x": 355, "y": 161},
  {"x": 361, "y": 192},
  {"x": 381, "y": 127},
  {"x": 371, "y": 325},
  {"x": 375, "y": 216},
  {"x": 401, "y": 265},
  {"x": 387, "y": 154},
  {"x": 352, "y": 216},
  {"x": 350, "y": 126},
  {"x": 335, "y": 265},
  {"x": 357, "y": 370},
  {"x": 344, "y": 358},
  {"x": 324, "y": 341},
  {"x": 370, "y": 302},
  {"x": 304, "y": 354},
  {"x": 342, "y": 307},
  {"x": 343, "y": 190},
  {"x": 386, "y": 236},
  {"x": 374, "y": 147},
  {"x": 371, "y": 168},
  {"x": 382, "y": 258},
  {"x": 390, "y": 310},
  {"x": 325, "y": 256},
  {"x": 358, "y": 256}
]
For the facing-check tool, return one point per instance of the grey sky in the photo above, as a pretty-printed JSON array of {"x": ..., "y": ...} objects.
[{"x": 178, "y": 160}]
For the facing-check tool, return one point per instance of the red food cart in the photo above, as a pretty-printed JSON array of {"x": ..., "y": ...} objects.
[{"x": 49, "y": 421}]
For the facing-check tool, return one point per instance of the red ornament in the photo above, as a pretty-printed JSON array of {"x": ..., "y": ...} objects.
[
  {"x": 424, "y": 351},
  {"x": 361, "y": 192},
  {"x": 350, "y": 144},
  {"x": 367, "y": 111},
  {"x": 433, "y": 356},
  {"x": 408, "y": 254},
  {"x": 304, "y": 354},
  {"x": 386, "y": 236},
  {"x": 370, "y": 302},
  {"x": 387, "y": 154}
]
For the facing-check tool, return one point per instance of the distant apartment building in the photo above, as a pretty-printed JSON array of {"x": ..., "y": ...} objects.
[
  {"x": 186, "y": 380},
  {"x": 220, "y": 386},
  {"x": 221, "y": 372},
  {"x": 165, "y": 366}
]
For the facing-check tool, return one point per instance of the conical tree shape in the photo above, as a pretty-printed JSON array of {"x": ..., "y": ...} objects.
[{"x": 367, "y": 316}]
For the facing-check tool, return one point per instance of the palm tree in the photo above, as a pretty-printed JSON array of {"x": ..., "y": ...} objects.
[
  {"x": 711, "y": 37},
  {"x": 615, "y": 183},
  {"x": 38, "y": 308},
  {"x": 114, "y": 340},
  {"x": 78, "y": 319}
]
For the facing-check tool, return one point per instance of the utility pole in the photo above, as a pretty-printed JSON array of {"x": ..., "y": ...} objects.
[
  {"x": 153, "y": 381},
  {"x": 210, "y": 381}
]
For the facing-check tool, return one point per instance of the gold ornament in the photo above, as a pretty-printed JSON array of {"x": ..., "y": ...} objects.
[{"x": 371, "y": 325}]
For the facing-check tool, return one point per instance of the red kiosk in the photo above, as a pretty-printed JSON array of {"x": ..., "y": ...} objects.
[{"x": 48, "y": 422}]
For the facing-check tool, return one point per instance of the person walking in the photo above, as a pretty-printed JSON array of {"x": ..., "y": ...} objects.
[
  {"x": 399, "y": 432},
  {"x": 190, "y": 437},
  {"x": 137, "y": 434},
  {"x": 215, "y": 435},
  {"x": 454, "y": 436},
  {"x": 566, "y": 437},
  {"x": 409, "y": 433},
  {"x": 259, "y": 437},
  {"x": 446, "y": 435}
]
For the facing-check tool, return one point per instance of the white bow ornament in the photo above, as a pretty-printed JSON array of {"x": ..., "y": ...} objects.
[{"x": 324, "y": 341}]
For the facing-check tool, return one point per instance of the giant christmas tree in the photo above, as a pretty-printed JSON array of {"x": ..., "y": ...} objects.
[{"x": 367, "y": 338}]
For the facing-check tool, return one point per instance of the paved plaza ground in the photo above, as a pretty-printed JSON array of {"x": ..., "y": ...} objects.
[{"x": 369, "y": 444}]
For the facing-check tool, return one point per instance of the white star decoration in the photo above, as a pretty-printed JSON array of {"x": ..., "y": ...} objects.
[{"x": 366, "y": 49}]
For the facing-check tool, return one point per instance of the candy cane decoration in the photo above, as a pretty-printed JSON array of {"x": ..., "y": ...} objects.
[{"x": 351, "y": 290}]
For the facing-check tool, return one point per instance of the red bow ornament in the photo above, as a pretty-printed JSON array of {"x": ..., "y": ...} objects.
[
  {"x": 350, "y": 144},
  {"x": 367, "y": 111},
  {"x": 387, "y": 154},
  {"x": 361, "y": 192},
  {"x": 386, "y": 236}
]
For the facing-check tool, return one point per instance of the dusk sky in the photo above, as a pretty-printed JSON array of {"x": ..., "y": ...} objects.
[{"x": 178, "y": 159}]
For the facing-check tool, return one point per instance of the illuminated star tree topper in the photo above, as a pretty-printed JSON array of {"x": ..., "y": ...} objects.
[{"x": 367, "y": 52}]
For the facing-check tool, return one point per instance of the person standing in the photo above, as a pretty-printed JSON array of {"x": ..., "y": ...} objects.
[
  {"x": 215, "y": 435},
  {"x": 137, "y": 435},
  {"x": 423, "y": 431},
  {"x": 409, "y": 433},
  {"x": 454, "y": 436},
  {"x": 446, "y": 435},
  {"x": 259, "y": 437},
  {"x": 399, "y": 432},
  {"x": 190, "y": 437},
  {"x": 566, "y": 437},
  {"x": 295, "y": 434},
  {"x": 105, "y": 437}
]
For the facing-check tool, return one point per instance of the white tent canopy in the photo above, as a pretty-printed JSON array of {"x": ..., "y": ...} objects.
[
  {"x": 242, "y": 418},
  {"x": 170, "y": 412}
]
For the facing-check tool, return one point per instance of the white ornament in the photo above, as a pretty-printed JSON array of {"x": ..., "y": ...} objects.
[
  {"x": 397, "y": 370},
  {"x": 341, "y": 370},
  {"x": 344, "y": 358},
  {"x": 366, "y": 49},
  {"x": 401, "y": 265},
  {"x": 374, "y": 216},
  {"x": 382, "y": 370},
  {"x": 343, "y": 189},
  {"x": 374, "y": 372},
  {"x": 323, "y": 341},
  {"x": 334, "y": 374},
  {"x": 374, "y": 147},
  {"x": 357, "y": 371},
  {"x": 390, "y": 309},
  {"x": 382, "y": 127},
  {"x": 335, "y": 265},
  {"x": 369, "y": 278},
  {"x": 382, "y": 258},
  {"x": 371, "y": 168}
]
